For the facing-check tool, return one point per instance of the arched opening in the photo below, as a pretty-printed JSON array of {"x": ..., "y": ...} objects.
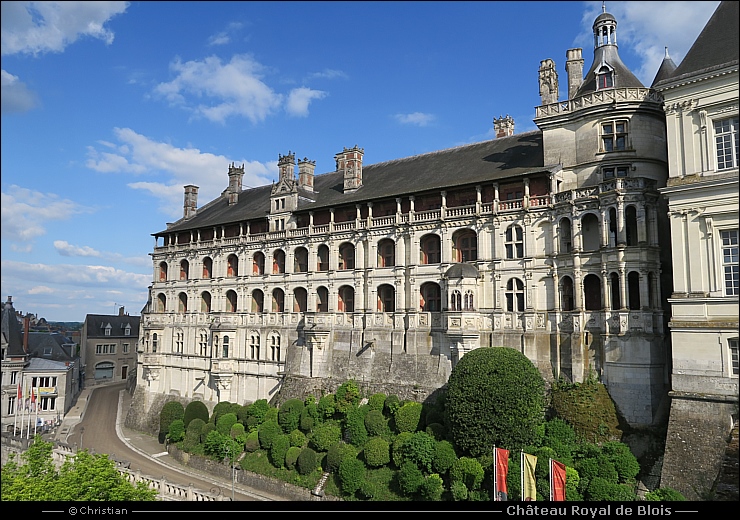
[
  {"x": 274, "y": 346},
  {"x": 254, "y": 345},
  {"x": 590, "y": 232},
  {"x": 386, "y": 298},
  {"x": 616, "y": 302},
  {"x": 468, "y": 303},
  {"x": 184, "y": 270},
  {"x": 465, "y": 246},
  {"x": 567, "y": 300},
  {"x": 630, "y": 225},
  {"x": 386, "y": 253},
  {"x": 182, "y": 302},
  {"x": 278, "y": 262},
  {"x": 161, "y": 303},
  {"x": 104, "y": 370},
  {"x": 207, "y": 267},
  {"x": 163, "y": 271},
  {"x": 514, "y": 241},
  {"x": 300, "y": 300},
  {"x": 232, "y": 266},
  {"x": 322, "y": 299},
  {"x": 455, "y": 301},
  {"x": 515, "y": 295},
  {"x": 300, "y": 256},
  {"x": 346, "y": 256},
  {"x": 258, "y": 263},
  {"x": 346, "y": 300},
  {"x": 430, "y": 249},
  {"x": 612, "y": 227},
  {"x": 230, "y": 301},
  {"x": 566, "y": 236},
  {"x": 633, "y": 290},
  {"x": 592, "y": 292},
  {"x": 322, "y": 258},
  {"x": 278, "y": 300},
  {"x": 430, "y": 298},
  {"x": 205, "y": 302},
  {"x": 258, "y": 301}
]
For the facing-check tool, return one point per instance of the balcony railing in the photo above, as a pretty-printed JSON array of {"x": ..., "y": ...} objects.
[{"x": 601, "y": 97}]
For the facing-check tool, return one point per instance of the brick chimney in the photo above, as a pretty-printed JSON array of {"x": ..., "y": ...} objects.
[
  {"x": 236, "y": 174},
  {"x": 191, "y": 201},
  {"x": 26, "y": 330},
  {"x": 120, "y": 311},
  {"x": 548, "y": 75},
  {"x": 306, "y": 170},
  {"x": 574, "y": 69},
  {"x": 504, "y": 126},
  {"x": 349, "y": 162}
]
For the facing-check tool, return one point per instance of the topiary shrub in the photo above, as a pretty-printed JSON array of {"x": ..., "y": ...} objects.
[
  {"x": 355, "y": 426},
  {"x": 195, "y": 410},
  {"x": 327, "y": 407},
  {"x": 377, "y": 402},
  {"x": 236, "y": 431},
  {"x": 257, "y": 410},
  {"x": 267, "y": 433},
  {"x": 280, "y": 446},
  {"x": 391, "y": 405},
  {"x": 410, "y": 478},
  {"x": 459, "y": 491},
  {"x": 436, "y": 430},
  {"x": 377, "y": 452},
  {"x": 368, "y": 489},
  {"x": 495, "y": 396},
  {"x": 420, "y": 449},
  {"x": 467, "y": 470},
  {"x": 432, "y": 487},
  {"x": 289, "y": 414},
  {"x": 177, "y": 431},
  {"x": 291, "y": 457},
  {"x": 307, "y": 420},
  {"x": 398, "y": 447},
  {"x": 408, "y": 416},
  {"x": 351, "y": 475},
  {"x": 375, "y": 423},
  {"x": 347, "y": 396},
  {"x": 324, "y": 435},
  {"x": 171, "y": 411},
  {"x": 252, "y": 443},
  {"x": 225, "y": 422},
  {"x": 271, "y": 415},
  {"x": 337, "y": 453},
  {"x": 572, "y": 483},
  {"x": 191, "y": 440},
  {"x": 588, "y": 408},
  {"x": 600, "y": 489},
  {"x": 220, "y": 409},
  {"x": 307, "y": 462},
  {"x": 664, "y": 494},
  {"x": 205, "y": 430},
  {"x": 625, "y": 463},
  {"x": 444, "y": 456},
  {"x": 298, "y": 438}
]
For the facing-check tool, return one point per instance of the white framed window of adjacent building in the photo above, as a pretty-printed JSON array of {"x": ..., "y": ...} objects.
[
  {"x": 125, "y": 348},
  {"x": 734, "y": 368},
  {"x": 726, "y": 142},
  {"x": 730, "y": 264}
]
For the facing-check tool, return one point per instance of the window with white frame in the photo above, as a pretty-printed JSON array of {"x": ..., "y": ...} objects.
[
  {"x": 514, "y": 242},
  {"x": 733, "y": 344},
  {"x": 275, "y": 347},
  {"x": 726, "y": 142},
  {"x": 203, "y": 343},
  {"x": 730, "y": 264},
  {"x": 613, "y": 136},
  {"x": 254, "y": 345},
  {"x": 47, "y": 404},
  {"x": 515, "y": 295},
  {"x": 125, "y": 348}
]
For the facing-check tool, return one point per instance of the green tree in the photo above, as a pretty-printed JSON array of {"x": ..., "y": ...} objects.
[
  {"x": 410, "y": 478},
  {"x": 351, "y": 475},
  {"x": 408, "y": 417},
  {"x": 171, "y": 411},
  {"x": 225, "y": 422},
  {"x": 177, "y": 431},
  {"x": 347, "y": 396},
  {"x": 495, "y": 396},
  {"x": 420, "y": 449},
  {"x": 289, "y": 415},
  {"x": 195, "y": 410},
  {"x": 324, "y": 435},
  {"x": 84, "y": 477},
  {"x": 432, "y": 487},
  {"x": 377, "y": 452},
  {"x": 467, "y": 470}
]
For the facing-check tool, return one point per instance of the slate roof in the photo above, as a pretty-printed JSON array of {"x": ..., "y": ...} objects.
[
  {"x": 52, "y": 346},
  {"x": 623, "y": 77},
  {"x": 487, "y": 161},
  {"x": 12, "y": 331},
  {"x": 666, "y": 69},
  {"x": 46, "y": 365},
  {"x": 462, "y": 270},
  {"x": 96, "y": 324},
  {"x": 717, "y": 46}
]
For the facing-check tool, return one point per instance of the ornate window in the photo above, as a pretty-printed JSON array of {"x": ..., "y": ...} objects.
[
  {"x": 566, "y": 294},
  {"x": 322, "y": 299},
  {"x": 182, "y": 302},
  {"x": 726, "y": 142},
  {"x": 604, "y": 78},
  {"x": 162, "y": 271},
  {"x": 566, "y": 235},
  {"x": 278, "y": 262},
  {"x": 205, "y": 302},
  {"x": 456, "y": 301},
  {"x": 322, "y": 258},
  {"x": 230, "y": 301},
  {"x": 207, "y": 267},
  {"x": 468, "y": 301},
  {"x": 386, "y": 253},
  {"x": 161, "y": 303},
  {"x": 730, "y": 261},
  {"x": 254, "y": 345},
  {"x": 258, "y": 301},
  {"x": 514, "y": 242},
  {"x": 613, "y": 136},
  {"x": 592, "y": 292},
  {"x": 515, "y": 295},
  {"x": 275, "y": 346},
  {"x": 733, "y": 344},
  {"x": 465, "y": 244},
  {"x": 278, "y": 300},
  {"x": 184, "y": 270},
  {"x": 610, "y": 172},
  {"x": 225, "y": 347},
  {"x": 633, "y": 290},
  {"x": 179, "y": 341},
  {"x": 154, "y": 342},
  {"x": 430, "y": 249},
  {"x": 386, "y": 298},
  {"x": 203, "y": 343},
  {"x": 300, "y": 300}
]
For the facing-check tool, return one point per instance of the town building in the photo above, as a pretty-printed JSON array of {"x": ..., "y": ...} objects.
[
  {"x": 701, "y": 106},
  {"x": 553, "y": 242},
  {"x": 109, "y": 344}
]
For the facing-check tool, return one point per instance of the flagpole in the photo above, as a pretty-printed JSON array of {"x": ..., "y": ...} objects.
[
  {"x": 36, "y": 421},
  {"x": 551, "y": 479},
  {"x": 521, "y": 463},
  {"x": 23, "y": 407},
  {"x": 17, "y": 398},
  {"x": 495, "y": 474},
  {"x": 28, "y": 427}
]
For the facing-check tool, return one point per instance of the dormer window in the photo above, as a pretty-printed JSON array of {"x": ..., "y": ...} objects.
[
  {"x": 604, "y": 78},
  {"x": 107, "y": 330},
  {"x": 127, "y": 330}
]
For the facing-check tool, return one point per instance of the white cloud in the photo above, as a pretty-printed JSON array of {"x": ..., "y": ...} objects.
[
  {"x": 648, "y": 27},
  {"x": 328, "y": 74},
  {"x": 14, "y": 94},
  {"x": 25, "y": 212},
  {"x": 66, "y": 249},
  {"x": 38, "y": 27},
  {"x": 41, "y": 289},
  {"x": 224, "y": 37},
  {"x": 103, "y": 276},
  {"x": 300, "y": 98},
  {"x": 181, "y": 166},
  {"x": 416, "y": 118},
  {"x": 235, "y": 88}
]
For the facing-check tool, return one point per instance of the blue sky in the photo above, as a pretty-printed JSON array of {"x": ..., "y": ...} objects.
[{"x": 110, "y": 108}]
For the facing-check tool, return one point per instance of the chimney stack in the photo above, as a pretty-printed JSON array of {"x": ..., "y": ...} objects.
[
  {"x": 574, "y": 69},
  {"x": 120, "y": 311},
  {"x": 548, "y": 82},
  {"x": 26, "y": 329},
  {"x": 306, "y": 170},
  {"x": 191, "y": 201},
  {"x": 504, "y": 126},
  {"x": 349, "y": 162},
  {"x": 236, "y": 174}
]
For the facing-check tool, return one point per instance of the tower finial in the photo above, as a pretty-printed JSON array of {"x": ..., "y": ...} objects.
[
  {"x": 666, "y": 53},
  {"x": 603, "y": 7}
]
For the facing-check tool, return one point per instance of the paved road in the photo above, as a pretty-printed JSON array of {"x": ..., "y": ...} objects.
[{"x": 97, "y": 432}]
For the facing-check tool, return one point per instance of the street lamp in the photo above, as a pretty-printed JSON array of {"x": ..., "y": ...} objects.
[
  {"x": 229, "y": 450},
  {"x": 82, "y": 432}
]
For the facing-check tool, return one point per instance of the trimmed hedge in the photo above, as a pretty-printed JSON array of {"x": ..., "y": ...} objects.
[
  {"x": 377, "y": 452},
  {"x": 337, "y": 453},
  {"x": 289, "y": 414},
  {"x": 324, "y": 435},
  {"x": 351, "y": 475},
  {"x": 267, "y": 433},
  {"x": 408, "y": 417},
  {"x": 171, "y": 411},
  {"x": 307, "y": 462},
  {"x": 195, "y": 410}
]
